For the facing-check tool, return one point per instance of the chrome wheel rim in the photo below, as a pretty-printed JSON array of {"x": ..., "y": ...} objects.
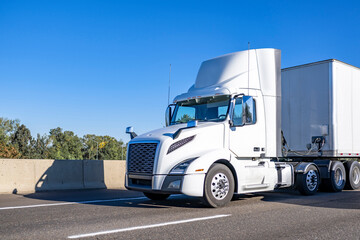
[
  {"x": 356, "y": 175},
  {"x": 339, "y": 178},
  {"x": 219, "y": 186},
  {"x": 311, "y": 180}
]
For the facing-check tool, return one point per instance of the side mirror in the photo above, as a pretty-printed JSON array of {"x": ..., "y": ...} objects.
[
  {"x": 168, "y": 114},
  {"x": 130, "y": 130},
  {"x": 249, "y": 113}
]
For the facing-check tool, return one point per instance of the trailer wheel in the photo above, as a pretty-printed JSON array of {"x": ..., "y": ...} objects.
[
  {"x": 308, "y": 183},
  {"x": 156, "y": 196},
  {"x": 219, "y": 186},
  {"x": 337, "y": 180},
  {"x": 352, "y": 175}
]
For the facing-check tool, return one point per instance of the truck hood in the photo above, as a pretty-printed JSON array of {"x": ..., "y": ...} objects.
[{"x": 206, "y": 136}]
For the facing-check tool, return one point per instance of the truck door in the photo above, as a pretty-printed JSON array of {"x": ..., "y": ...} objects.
[
  {"x": 247, "y": 141},
  {"x": 247, "y": 133}
]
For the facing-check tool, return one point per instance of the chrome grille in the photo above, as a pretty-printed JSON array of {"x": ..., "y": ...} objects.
[{"x": 141, "y": 157}]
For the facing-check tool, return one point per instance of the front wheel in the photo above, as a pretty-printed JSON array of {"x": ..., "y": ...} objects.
[
  {"x": 219, "y": 186},
  {"x": 156, "y": 196},
  {"x": 308, "y": 183}
]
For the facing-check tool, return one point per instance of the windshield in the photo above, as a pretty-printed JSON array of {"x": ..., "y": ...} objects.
[{"x": 202, "y": 109}]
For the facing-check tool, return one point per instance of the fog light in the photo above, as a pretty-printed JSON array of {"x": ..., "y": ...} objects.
[{"x": 175, "y": 184}]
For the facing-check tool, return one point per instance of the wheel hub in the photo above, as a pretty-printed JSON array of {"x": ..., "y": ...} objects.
[
  {"x": 311, "y": 180},
  {"x": 356, "y": 175},
  {"x": 219, "y": 186},
  {"x": 339, "y": 178}
]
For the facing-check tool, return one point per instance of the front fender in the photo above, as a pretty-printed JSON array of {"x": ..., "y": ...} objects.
[{"x": 206, "y": 160}]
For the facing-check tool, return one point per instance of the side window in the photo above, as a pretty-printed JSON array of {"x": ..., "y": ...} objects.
[{"x": 244, "y": 111}]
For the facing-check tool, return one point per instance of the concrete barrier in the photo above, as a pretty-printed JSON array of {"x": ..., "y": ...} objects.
[
  {"x": 94, "y": 174},
  {"x": 34, "y": 175},
  {"x": 114, "y": 174}
]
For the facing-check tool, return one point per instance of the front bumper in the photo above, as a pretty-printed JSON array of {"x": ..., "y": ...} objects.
[{"x": 191, "y": 184}]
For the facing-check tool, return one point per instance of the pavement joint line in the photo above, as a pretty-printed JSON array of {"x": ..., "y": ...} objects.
[
  {"x": 71, "y": 203},
  {"x": 147, "y": 226}
]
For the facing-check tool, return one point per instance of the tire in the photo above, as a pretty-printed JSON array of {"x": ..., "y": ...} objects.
[
  {"x": 337, "y": 180},
  {"x": 156, "y": 196},
  {"x": 352, "y": 175},
  {"x": 308, "y": 183},
  {"x": 219, "y": 186}
]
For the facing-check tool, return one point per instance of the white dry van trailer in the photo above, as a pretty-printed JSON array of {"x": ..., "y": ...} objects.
[{"x": 247, "y": 126}]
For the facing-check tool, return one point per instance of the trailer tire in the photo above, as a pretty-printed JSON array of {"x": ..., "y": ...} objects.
[
  {"x": 352, "y": 175},
  {"x": 219, "y": 186},
  {"x": 156, "y": 196},
  {"x": 308, "y": 183},
  {"x": 337, "y": 180}
]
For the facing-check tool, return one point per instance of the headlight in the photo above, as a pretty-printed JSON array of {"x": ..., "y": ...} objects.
[
  {"x": 180, "y": 143},
  {"x": 181, "y": 167}
]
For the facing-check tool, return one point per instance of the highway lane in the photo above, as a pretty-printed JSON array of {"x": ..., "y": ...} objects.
[{"x": 119, "y": 214}]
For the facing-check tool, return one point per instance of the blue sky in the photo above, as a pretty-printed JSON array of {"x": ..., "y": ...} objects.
[{"x": 100, "y": 66}]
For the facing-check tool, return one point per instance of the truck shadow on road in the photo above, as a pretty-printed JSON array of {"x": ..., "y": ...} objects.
[
  {"x": 115, "y": 197},
  {"x": 340, "y": 200},
  {"x": 125, "y": 198}
]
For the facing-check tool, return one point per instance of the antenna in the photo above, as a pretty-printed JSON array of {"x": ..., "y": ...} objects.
[
  {"x": 248, "y": 67},
  {"x": 169, "y": 85}
]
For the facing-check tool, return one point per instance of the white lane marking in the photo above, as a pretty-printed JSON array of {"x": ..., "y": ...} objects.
[
  {"x": 71, "y": 203},
  {"x": 147, "y": 226}
]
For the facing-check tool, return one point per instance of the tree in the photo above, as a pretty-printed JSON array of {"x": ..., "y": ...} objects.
[
  {"x": 102, "y": 147},
  {"x": 90, "y": 147},
  {"x": 7, "y": 151},
  {"x": 65, "y": 145},
  {"x": 185, "y": 118},
  {"x": 40, "y": 147},
  {"x": 16, "y": 142},
  {"x": 111, "y": 149},
  {"x": 7, "y": 128},
  {"x": 22, "y": 141},
  {"x": 248, "y": 114}
]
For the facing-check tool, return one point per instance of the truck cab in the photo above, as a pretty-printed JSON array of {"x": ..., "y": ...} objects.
[{"x": 222, "y": 136}]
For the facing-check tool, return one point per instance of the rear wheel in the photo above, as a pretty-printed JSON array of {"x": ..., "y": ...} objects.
[
  {"x": 353, "y": 175},
  {"x": 219, "y": 186},
  {"x": 337, "y": 180},
  {"x": 308, "y": 183},
  {"x": 156, "y": 196}
]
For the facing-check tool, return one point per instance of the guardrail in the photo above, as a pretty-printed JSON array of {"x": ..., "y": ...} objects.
[{"x": 34, "y": 175}]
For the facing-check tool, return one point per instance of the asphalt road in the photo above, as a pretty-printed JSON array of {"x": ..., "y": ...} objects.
[{"x": 118, "y": 214}]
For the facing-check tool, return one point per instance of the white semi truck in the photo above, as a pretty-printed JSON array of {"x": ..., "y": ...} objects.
[{"x": 247, "y": 126}]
